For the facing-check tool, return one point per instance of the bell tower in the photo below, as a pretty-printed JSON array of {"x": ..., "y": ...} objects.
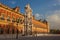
[{"x": 28, "y": 20}]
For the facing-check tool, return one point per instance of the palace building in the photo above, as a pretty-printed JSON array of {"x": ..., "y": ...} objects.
[{"x": 11, "y": 20}]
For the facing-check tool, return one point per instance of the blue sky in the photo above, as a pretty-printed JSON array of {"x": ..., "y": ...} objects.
[
  {"x": 45, "y": 9},
  {"x": 38, "y": 6}
]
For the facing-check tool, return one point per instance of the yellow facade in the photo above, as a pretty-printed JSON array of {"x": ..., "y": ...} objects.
[{"x": 12, "y": 15}]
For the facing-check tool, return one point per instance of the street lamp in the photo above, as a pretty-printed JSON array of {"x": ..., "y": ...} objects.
[{"x": 17, "y": 29}]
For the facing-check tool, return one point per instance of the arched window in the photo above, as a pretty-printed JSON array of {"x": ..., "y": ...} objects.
[
  {"x": 1, "y": 30},
  {"x": 0, "y": 13},
  {"x": 17, "y": 20},
  {"x": 20, "y": 20},
  {"x": 8, "y": 18},
  {"x": 13, "y": 19},
  {"x": 2, "y": 17}
]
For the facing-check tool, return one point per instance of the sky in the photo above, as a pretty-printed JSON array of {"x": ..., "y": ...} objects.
[{"x": 42, "y": 9}]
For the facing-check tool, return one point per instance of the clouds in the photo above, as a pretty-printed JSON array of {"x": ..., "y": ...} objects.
[
  {"x": 54, "y": 19},
  {"x": 57, "y": 2},
  {"x": 54, "y": 3},
  {"x": 13, "y": 2},
  {"x": 38, "y": 16}
]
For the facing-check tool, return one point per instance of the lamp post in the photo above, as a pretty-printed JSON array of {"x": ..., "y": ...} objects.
[{"x": 17, "y": 28}]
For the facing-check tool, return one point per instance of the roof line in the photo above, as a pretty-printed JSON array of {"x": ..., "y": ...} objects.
[{"x": 6, "y": 7}]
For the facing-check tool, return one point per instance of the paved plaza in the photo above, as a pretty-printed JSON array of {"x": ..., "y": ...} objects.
[{"x": 42, "y": 37}]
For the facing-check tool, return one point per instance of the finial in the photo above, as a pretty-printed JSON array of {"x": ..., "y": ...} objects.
[
  {"x": 17, "y": 9},
  {"x": 27, "y": 6}
]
